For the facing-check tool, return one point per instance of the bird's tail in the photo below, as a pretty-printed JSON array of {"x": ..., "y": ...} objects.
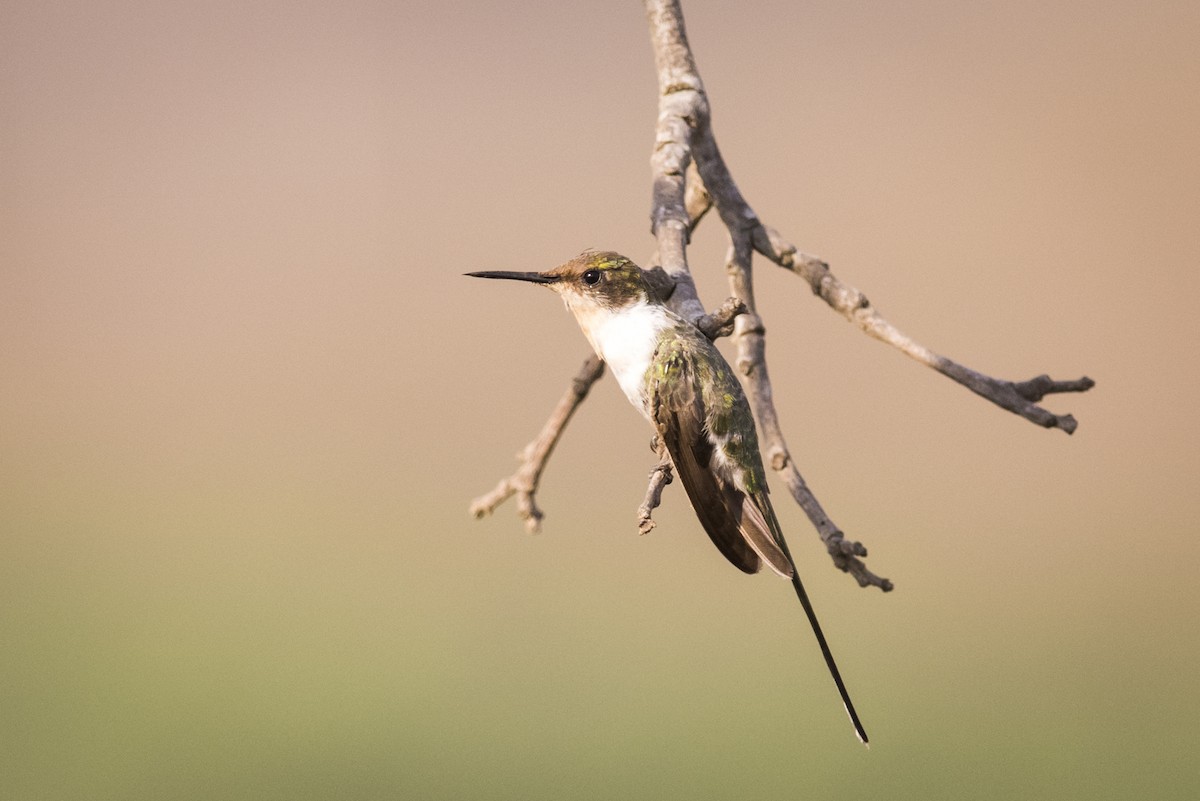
[{"x": 768, "y": 512}]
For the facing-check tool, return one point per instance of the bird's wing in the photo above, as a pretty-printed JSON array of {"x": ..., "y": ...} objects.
[{"x": 735, "y": 524}]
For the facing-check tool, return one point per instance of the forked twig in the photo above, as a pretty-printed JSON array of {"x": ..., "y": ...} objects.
[
  {"x": 533, "y": 457},
  {"x": 690, "y": 179},
  {"x": 684, "y": 132},
  {"x": 1017, "y": 397}
]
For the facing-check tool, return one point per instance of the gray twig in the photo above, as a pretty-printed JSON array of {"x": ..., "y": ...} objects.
[
  {"x": 721, "y": 322},
  {"x": 533, "y": 457},
  {"x": 660, "y": 477},
  {"x": 1017, "y": 397}
]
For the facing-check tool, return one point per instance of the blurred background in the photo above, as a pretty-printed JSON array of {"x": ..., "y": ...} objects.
[{"x": 246, "y": 398}]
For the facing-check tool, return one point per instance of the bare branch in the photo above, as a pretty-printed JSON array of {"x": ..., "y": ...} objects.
[
  {"x": 749, "y": 335},
  {"x": 684, "y": 133},
  {"x": 697, "y": 202},
  {"x": 1018, "y": 398},
  {"x": 660, "y": 477},
  {"x": 681, "y": 103},
  {"x": 689, "y": 178},
  {"x": 533, "y": 457},
  {"x": 720, "y": 322}
]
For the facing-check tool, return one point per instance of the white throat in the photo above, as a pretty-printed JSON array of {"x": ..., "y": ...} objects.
[{"x": 625, "y": 339}]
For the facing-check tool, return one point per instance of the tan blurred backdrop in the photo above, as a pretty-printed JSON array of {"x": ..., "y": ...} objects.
[{"x": 246, "y": 397}]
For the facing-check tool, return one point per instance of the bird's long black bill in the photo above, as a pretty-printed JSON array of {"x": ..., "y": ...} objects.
[
  {"x": 825, "y": 652},
  {"x": 536, "y": 278}
]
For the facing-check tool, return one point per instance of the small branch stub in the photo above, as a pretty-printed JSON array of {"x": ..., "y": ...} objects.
[
  {"x": 660, "y": 477},
  {"x": 720, "y": 322}
]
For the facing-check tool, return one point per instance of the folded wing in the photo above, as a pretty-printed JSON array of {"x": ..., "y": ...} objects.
[{"x": 734, "y": 522}]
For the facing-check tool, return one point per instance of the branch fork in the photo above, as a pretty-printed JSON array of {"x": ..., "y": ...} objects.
[{"x": 690, "y": 179}]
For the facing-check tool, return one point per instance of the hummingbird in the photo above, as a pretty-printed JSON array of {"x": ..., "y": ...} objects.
[{"x": 680, "y": 382}]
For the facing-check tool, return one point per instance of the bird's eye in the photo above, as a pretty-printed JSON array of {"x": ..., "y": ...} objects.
[{"x": 591, "y": 277}]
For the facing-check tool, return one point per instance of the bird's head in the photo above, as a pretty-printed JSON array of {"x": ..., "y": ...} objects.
[{"x": 593, "y": 283}]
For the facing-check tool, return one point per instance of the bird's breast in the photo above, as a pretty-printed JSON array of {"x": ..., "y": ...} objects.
[{"x": 626, "y": 340}]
